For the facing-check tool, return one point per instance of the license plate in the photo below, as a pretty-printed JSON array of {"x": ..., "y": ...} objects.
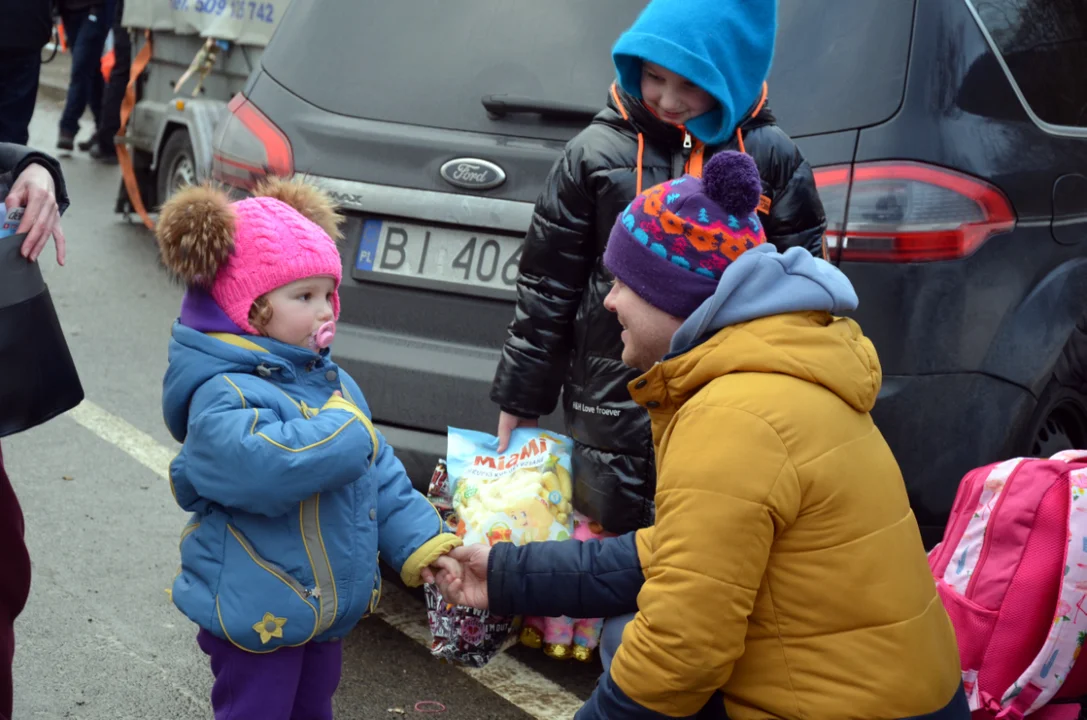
[{"x": 439, "y": 254}]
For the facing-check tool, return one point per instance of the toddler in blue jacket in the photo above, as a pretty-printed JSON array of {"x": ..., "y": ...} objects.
[{"x": 294, "y": 495}]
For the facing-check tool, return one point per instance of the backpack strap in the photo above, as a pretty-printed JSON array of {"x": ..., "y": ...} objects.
[
  {"x": 960, "y": 563},
  {"x": 1043, "y": 678}
]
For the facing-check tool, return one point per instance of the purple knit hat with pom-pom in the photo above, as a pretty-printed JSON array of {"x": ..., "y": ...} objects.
[{"x": 672, "y": 243}]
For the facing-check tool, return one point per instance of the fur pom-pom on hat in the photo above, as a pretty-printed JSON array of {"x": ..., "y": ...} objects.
[
  {"x": 310, "y": 201},
  {"x": 195, "y": 233}
]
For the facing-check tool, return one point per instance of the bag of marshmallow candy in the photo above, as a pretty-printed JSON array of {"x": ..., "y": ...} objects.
[{"x": 520, "y": 496}]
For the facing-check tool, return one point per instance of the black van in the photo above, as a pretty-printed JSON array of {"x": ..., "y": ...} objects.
[{"x": 949, "y": 137}]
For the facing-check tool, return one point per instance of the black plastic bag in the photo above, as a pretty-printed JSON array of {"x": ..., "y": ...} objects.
[{"x": 38, "y": 379}]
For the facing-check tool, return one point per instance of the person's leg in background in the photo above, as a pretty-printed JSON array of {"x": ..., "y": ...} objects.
[
  {"x": 19, "y": 73},
  {"x": 109, "y": 121},
  {"x": 14, "y": 583},
  {"x": 77, "y": 93},
  {"x": 610, "y": 638},
  {"x": 96, "y": 44},
  {"x": 86, "y": 37},
  {"x": 98, "y": 85}
]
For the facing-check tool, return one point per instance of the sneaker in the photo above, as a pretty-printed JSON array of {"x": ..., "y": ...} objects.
[
  {"x": 86, "y": 145},
  {"x": 66, "y": 141}
]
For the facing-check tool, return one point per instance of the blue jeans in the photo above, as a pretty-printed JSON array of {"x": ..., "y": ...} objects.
[
  {"x": 86, "y": 31},
  {"x": 109, "y": 121},
  {"x": 612, "y": 635}
]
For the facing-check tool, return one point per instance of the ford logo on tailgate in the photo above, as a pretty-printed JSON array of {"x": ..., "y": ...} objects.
[{"x": 473, "y": 174}]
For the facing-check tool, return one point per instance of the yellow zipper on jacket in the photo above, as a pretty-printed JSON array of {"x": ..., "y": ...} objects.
[{"x": 324, "y": 590}]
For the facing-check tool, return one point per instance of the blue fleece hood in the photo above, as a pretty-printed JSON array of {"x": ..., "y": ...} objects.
[
  {"x": 764, "y": 282},
  {"x": 723, "y": 46}
]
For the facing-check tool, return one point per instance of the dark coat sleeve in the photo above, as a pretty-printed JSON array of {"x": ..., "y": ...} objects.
[
  {"x": 579, "y": 579},
  {"x": 796, "y": 215},
  {"x": 15, "y": 158},
  {"x": 556, "y": 262}
]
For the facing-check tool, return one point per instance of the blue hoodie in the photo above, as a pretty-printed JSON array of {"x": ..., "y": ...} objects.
[
  {"x": 293, "y": 493},
  {"x": 723, "y": 46},
  {"x": 764, "y": 282}
]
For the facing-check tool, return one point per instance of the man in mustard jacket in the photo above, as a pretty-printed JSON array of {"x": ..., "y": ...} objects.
[{"x": 785, "y": 571}]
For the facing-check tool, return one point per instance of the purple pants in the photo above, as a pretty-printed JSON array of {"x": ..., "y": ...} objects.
[{"x": 288, "y": 684}]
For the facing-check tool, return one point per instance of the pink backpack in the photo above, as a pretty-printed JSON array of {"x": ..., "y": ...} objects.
[{"x": 1012, "y": 573}]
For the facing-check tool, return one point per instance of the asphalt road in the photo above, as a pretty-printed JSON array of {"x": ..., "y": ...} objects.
[{"x": 99, "y": 638}]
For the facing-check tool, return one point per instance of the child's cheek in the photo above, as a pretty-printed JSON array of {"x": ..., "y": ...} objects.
[{"x": 650, "y": 94}]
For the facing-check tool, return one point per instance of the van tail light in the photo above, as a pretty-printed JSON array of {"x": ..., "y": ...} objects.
[
  {"x": 901, "y": 212},
  {"x": 248, "y": 146}
]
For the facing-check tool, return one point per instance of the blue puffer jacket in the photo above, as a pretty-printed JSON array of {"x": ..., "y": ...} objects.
[{"x": 293, "y": 493}]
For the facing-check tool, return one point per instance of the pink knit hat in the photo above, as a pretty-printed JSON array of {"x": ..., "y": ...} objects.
[{"x": 248, "y": 248}]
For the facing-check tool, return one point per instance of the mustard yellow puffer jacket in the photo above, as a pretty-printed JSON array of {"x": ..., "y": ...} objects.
[{"x": 785, "y": 567}]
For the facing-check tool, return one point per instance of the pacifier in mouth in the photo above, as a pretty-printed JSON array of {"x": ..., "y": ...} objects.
[{"x": 324, "y": 335}]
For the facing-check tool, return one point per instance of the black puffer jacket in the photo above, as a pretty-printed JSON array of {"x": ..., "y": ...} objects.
[{"x": 562, "y": 337}]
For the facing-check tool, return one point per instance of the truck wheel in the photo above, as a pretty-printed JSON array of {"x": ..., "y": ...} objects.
[
  {"x": 1060, "y": 420},
  {"x": 177, "y": 166}
]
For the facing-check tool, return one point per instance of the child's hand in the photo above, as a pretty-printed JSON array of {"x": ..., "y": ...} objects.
[
  {"x": 430, "y": 574},
  {"x": 507, "y": 423},
  {"x": 461, "y": 576}
]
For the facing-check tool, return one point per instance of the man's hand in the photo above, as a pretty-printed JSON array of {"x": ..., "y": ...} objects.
[
  {"x": 461, "y": 576},
  {"x": 507, "y": 423},
  {"x": 35, "y": 191}
]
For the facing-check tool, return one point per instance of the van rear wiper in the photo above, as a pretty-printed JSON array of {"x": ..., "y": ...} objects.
[{"x": 499, "y": 106}]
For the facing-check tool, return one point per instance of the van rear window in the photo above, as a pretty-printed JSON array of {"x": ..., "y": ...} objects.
[{"x": 837, "y": 65}]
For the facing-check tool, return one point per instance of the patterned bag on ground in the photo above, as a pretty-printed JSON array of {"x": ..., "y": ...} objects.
[
  {"x": 464, "y": 635},
  {"x": 440, "y": 494},
  {"x": 1012, "y": 573},
  {"x": 461, "y": 635}
]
